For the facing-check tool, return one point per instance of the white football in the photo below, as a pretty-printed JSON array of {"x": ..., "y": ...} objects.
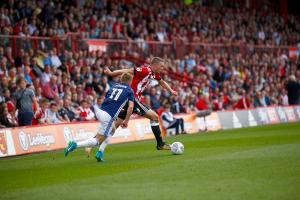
[{"x": 177, "y": 148}]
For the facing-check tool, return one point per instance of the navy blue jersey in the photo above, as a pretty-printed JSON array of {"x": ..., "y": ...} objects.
[{"x": 116, "y": 98}]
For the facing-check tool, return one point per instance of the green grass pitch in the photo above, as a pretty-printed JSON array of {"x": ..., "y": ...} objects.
[{"x": 252, "y": 163}]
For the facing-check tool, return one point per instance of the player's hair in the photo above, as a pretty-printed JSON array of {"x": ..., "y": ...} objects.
[
  {"x": 157, "y": 61},
  {"x": 126, "y": 78}
]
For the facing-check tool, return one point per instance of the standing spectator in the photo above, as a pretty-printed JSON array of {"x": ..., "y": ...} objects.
[
  {"x": 202, "y": 106},
  {"x": 293, "y": 89},
  {"x": 25, "y": 99},
  {"x": 169, "y": 121}
]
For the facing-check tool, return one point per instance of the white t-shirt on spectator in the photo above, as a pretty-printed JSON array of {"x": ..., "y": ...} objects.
[
  {"x": 285, "y": 100},
  {"x": 161, "y": 36},
  {"x": 170, "y": 119},
  {"x": 32, "y": 29},
  {"x": 261, "y": 35},
  {"x": 52, "y": 117},
  {"x": 55, "y": 61},
  {"x": 45, "y": 78}
]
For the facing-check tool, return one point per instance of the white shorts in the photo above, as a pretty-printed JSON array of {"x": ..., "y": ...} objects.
[{"x": 106, "y": 122}]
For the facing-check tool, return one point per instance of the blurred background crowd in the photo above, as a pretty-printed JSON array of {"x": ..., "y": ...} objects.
[{"x": 65, "y": 83}]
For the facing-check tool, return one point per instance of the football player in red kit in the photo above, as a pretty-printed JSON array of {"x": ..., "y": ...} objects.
[{"x": 143, "y": 75}]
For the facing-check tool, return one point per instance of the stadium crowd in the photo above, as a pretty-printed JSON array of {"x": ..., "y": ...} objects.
[
  {"x": 145, "y": 20},
  {"x": 66, "y": 85}
]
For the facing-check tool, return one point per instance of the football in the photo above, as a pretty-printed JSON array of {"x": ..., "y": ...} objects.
[{"x": 177, "y": 148}]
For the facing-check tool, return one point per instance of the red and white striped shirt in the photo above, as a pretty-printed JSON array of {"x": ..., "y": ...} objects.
[{"x": 143, "y": 76}]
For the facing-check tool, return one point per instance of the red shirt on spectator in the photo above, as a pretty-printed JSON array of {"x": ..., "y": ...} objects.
[
  {"x": 201, "y": 104},
  {"x": 86, "y": 113},
  {"x": 243, "y": 103},
  {"x": 40, "y": 117},
  {"x": 217, "y": 105},
  {"x": 50, "y": 91}
]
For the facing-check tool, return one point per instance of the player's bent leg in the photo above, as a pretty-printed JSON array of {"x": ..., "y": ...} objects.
[{"x": 161, "y": 145}]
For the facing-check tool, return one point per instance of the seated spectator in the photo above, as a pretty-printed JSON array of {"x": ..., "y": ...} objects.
[
  {"x": 69, "y": 110},
  {"x": 86, "y": 114},
  {"x": 99, "y": 102},
  {"x": 12, "y": 114},
  {"x": 40, "y": 116},
  {"x": 243, "y": 102},
  {"x": 52, "y": 115},
  {"x": 261, "y": 100},
  {"x": 62, "y": 112},
  {"x": 284, "y": 99},
  {"x": 154, "y": 100},
  {"x": 169, "y": 121},
  {"x": 6, "y": 95},
  {"x": 177, "y": 105},
  {"x": 50, "y": 89},
  {"x": 45, "y": 76},
  {"x": 5, "y": 118}
]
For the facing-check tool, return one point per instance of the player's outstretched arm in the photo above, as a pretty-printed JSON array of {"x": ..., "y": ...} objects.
[
  {"x": 165, "y": 85},
  {"x": 117, "y": 72},
  {"x": 129, "y": 113}
]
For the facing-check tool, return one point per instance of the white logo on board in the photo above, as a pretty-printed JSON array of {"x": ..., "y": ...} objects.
[
  {"x": 23, "y": 141},
  {"x": 236, "y": 122},
  {"x": 281, "y": 114},
  {"x": 68, "y": 134},
  {"x": 251, "y": 119},
  {"x": 263, "y": 115}
]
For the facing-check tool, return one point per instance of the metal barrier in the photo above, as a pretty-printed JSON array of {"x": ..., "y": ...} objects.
[{"x": 142, "y": 49}]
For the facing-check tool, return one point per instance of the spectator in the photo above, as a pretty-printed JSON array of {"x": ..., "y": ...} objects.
[
  {"x": 293, "y": 89},
  {"x": 45, "y": 77},
  {"x": 169, "y": 121},
  {"x": 5, "y": 118},
  {"x": 202, "y": 107},
  {"x": 40, "y": 117},
  {"x": 99, "y": 102},
  {"x": 12, "y": 117},
  {"x": 67, "y": 108},
  {"x": 244, "y": 102},
  {"x": 86, "y": 114},
  {"x": 50, "y": 89},
  {"x": 154, "y": 100},
  {"x": 62, "y": 112},
  {"x": 284, "y": 99},
  {"x": 25, "y": 100},
  {"x": 52, "y": 115},
  {"x": 261, "y": 100}
]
